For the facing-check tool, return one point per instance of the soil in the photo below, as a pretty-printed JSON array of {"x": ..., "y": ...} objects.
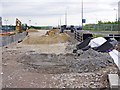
[{"x": 32, "y": 66}]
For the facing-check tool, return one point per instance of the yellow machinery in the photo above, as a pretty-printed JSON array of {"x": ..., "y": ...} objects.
[{"x": 18, "y": 26}]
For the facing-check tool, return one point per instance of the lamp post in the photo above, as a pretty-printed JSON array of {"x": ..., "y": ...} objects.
[
  {"x": 59, "y": 23},
  {"x": 82, "y": 14},
  {"x": 116, "y": 20},
  {"x": 115, "y": 14},
  {"x": 66, "y": 16}
]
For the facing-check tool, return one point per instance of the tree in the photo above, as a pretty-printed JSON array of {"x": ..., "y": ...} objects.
[{"x": 100, "y": 22}]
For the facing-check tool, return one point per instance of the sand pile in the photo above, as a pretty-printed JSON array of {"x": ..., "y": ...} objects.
[
  {"x": 32, "y": 30},
  {"x": 51, "y": 37},
  {"x": 52, "y": 32}
]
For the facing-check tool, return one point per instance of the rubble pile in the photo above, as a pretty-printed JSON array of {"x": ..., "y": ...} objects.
[{"x": 87, "y": 61}]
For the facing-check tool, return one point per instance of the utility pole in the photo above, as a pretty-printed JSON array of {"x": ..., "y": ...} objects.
[
  {"x": 60, "y": 22},
  {"x": 66, "y": 17},
  {"x": 116, "y": 20},
  {"x": 82, "y": 14},
  {"x": 115, "y": 14}
]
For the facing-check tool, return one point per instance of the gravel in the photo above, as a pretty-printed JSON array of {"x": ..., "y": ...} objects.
[{"x": 87, "y": 61}]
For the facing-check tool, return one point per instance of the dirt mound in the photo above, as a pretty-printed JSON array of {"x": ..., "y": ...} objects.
[
  {"x": 52, "y": 32},
  {"x": 89, "y": 61},
  {"x": 32, "y": 30},
  {"x": 47, "y": 39}
]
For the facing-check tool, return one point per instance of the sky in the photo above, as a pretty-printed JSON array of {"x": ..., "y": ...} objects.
[{"x": 51, "y": 12}]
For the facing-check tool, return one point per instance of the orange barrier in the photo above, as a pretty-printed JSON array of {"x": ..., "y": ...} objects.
[{"x": 7, "y": 33}]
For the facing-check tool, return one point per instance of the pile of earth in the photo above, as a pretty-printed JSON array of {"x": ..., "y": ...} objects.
[
  {"x": 51, "y": 37},
  {"x": 87, "y": 61},
  {"x": 32, "y": 30}
]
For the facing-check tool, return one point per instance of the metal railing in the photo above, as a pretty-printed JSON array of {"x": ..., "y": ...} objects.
[{"x": 78, "y": 36}]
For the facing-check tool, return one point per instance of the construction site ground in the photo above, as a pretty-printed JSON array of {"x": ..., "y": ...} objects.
[{"x": 54, "y": 66}]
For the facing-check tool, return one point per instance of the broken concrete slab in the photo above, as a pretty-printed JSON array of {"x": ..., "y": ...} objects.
[
  {"x": 114, "y": 81},
  {"x": 116, "y": 56}
]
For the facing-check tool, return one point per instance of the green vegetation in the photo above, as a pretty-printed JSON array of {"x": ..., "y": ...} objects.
[
  {"x": 100, "y": 22},
  {"x": 98, "y": 35},
  {"x": 40, "y": 27},
  {"x": 102, "y": 26}
]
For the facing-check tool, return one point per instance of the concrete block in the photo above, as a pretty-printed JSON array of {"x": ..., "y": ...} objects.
[{"x": 114, "y": 80}]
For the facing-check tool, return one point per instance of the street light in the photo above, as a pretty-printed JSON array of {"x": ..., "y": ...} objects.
[
  {"x": 59, "y": 22},
  {"x": 116, "y": 19},
  {"x": 66, "y": 16},
  {"x": 82, "y": 14},
  {"x": 115, "y": 14}
]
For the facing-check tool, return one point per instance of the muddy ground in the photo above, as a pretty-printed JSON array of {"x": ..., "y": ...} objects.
[{"x": 32, "y": 67}]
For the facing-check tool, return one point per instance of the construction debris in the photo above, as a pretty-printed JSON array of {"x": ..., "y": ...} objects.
[
  {"x": 89, "y": 61},
  {"x": 99, "y": 44},
  {"x": 58, "y": 68}
]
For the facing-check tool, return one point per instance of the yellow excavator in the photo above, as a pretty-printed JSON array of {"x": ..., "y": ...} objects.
[{"x": 20, "y": 27}]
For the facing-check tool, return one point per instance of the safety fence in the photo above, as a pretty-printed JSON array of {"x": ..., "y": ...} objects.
[{"x": 6, "y": 40}]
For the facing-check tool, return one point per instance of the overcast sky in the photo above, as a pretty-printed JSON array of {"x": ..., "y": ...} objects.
[{"x": 49, "y": 12}]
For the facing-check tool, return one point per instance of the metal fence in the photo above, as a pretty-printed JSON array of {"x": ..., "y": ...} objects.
[
  {"x": 6, "y": 40},
  {"x": 102, "y": 27},
  {"x": 81, "y": 35}
]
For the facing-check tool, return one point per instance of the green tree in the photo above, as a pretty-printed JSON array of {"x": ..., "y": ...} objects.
[{"x": 100, "y": 22}]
